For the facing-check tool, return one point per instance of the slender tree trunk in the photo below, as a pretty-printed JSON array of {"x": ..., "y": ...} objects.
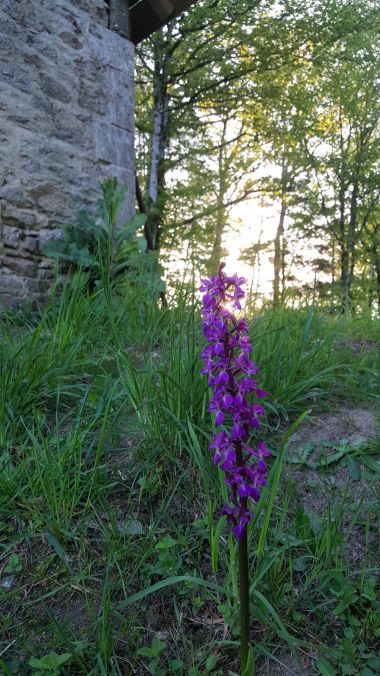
[
  {"x": 347, "y": 271},
  {"x": 348, "y": 252},
  {"x": 142, "y": 209},
  {"x": 147, "y": 232},
  {"x": 344, "y": 253},
  {"x": 278, "y": 260},
  {"x": 345, "y": 278},
  {"x": 156, "y": 175},
  {"x": 351, "y": 236},
  {"x": 333, "y": 259},
  {"x": 279, "y": 240},
  {"x": 375, "y": 256},
  {"x": 283, "y": 266},
  {"x": 216, "y": 253},
  {"x": 154, "y": 205},
  {"x": 343, "y": 237},
  {"x": 376, "y": 265}
]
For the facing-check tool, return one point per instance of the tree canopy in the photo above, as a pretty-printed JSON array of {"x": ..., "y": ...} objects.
[{"x": 272, "y": 100}]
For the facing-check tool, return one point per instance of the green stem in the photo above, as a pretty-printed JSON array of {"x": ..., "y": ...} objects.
[
  {"x": 243, "y": 578},
  {"x": 244, "y": 600}
]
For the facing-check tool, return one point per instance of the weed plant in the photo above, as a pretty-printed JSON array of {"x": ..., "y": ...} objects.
[{"x": 113, "y": 556}]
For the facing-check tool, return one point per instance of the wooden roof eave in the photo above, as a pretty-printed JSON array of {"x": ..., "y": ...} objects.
[{"x": 147, "y": 16}]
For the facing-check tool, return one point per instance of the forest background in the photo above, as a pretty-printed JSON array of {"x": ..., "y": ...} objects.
[{"x": 260, "y": 121}]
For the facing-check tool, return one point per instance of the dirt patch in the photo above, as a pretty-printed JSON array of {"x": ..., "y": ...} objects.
[
  {"x": 355, "y": 425},
  {"x": 358, "y": 346},
  {"x": 325, "y": 483},
  {"x": 287, "y": 665}
]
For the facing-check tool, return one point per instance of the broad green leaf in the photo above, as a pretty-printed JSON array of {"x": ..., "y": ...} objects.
[
  {"x": 353, "y": 468},
  {"x": 211, "y": 662},
  {"x": 325, "y": 667},
  {"x": 52, "y": 540}
]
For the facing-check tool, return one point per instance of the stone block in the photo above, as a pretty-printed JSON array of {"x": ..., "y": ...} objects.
[
  {"x": 21, "y": 266},
  {"x": 7, "y": 70},
  {"x": 44, "y": 191},
  {"x": 115, "y": 52},
  {"x": 30, "y": 244},
  {"x": 6, "y": 7},
  {"x": 96, "y": 9},
  {"x": 14, "y": 192},
  {"x": 54, "y": 89},
  {"x": 45, "y": 274},
  {"x": 31, "y": 284},
  {"x": 71, "y": 40},
  {"x": 95, "y": 91},
  {"x": 112, "y": 144},
  {"x": 44, "y": 264},
  {"x": 11, "y": 284},
  {"x": 9, "y": 252},
  {"x": 23, "y": 218},
  {"x": 25, "y": 13},
  {"x": 10, "y": 236},
  {"x": 120, "y": 92}
]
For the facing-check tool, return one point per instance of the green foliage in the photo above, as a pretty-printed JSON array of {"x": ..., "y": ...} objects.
[
  {"x": 13, "y": 565},
  {"x": 154, "y": 653},
  {"x": 298, "y": 132},
  {"x": 49, "y": 664},
  {"x": 110, "y": 501},
  {"x": 103, "y": 248},
  {"x": 80, "y": 243},
  {"x": 166, "y": 562}
]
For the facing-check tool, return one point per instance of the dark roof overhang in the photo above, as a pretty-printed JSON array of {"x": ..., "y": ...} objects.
[{"x": 147, "y": 16}]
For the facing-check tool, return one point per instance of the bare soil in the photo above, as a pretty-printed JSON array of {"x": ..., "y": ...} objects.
[
  {"x": 327, "y": 487},
  {"x": 287, "y": 665}
]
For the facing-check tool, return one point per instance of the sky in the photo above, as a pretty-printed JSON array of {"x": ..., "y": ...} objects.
[{"x": 250, "y": 223}]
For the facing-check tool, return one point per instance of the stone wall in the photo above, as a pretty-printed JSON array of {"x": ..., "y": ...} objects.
[{"x": 66, "y": 122}]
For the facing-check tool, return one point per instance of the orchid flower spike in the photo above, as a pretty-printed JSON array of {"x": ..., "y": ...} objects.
[{"x": 235, "y": 396}]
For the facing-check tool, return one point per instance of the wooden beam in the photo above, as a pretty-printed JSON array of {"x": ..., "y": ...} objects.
[{"x": 147, "y": 16}]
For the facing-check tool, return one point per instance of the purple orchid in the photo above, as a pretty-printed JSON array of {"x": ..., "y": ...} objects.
[{"x": 230, "y": 374}]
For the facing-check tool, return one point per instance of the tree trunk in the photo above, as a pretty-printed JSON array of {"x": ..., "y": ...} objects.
[
  {"x": 333, "y": 259},
  {"x": 344, "y": 255},
  {"x": 156, "y": 176},
  {"x": 283, "y": 266},
  {"x": 142, "y": 209},
  {"x": 374, "y": 251},
  {"x": 345, "y": 278},
  {"x": 278, "y": 260},
  {"x": 348, "y": 252},
  {"x": 147, "y": 232},
  {"x": 216, "y": 253}
]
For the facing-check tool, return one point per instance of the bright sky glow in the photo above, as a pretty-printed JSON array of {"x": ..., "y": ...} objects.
[{"x": 251, "y": 223}]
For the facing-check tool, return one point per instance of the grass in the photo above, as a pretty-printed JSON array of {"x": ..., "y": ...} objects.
[{"x": 113, "y": 556}]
